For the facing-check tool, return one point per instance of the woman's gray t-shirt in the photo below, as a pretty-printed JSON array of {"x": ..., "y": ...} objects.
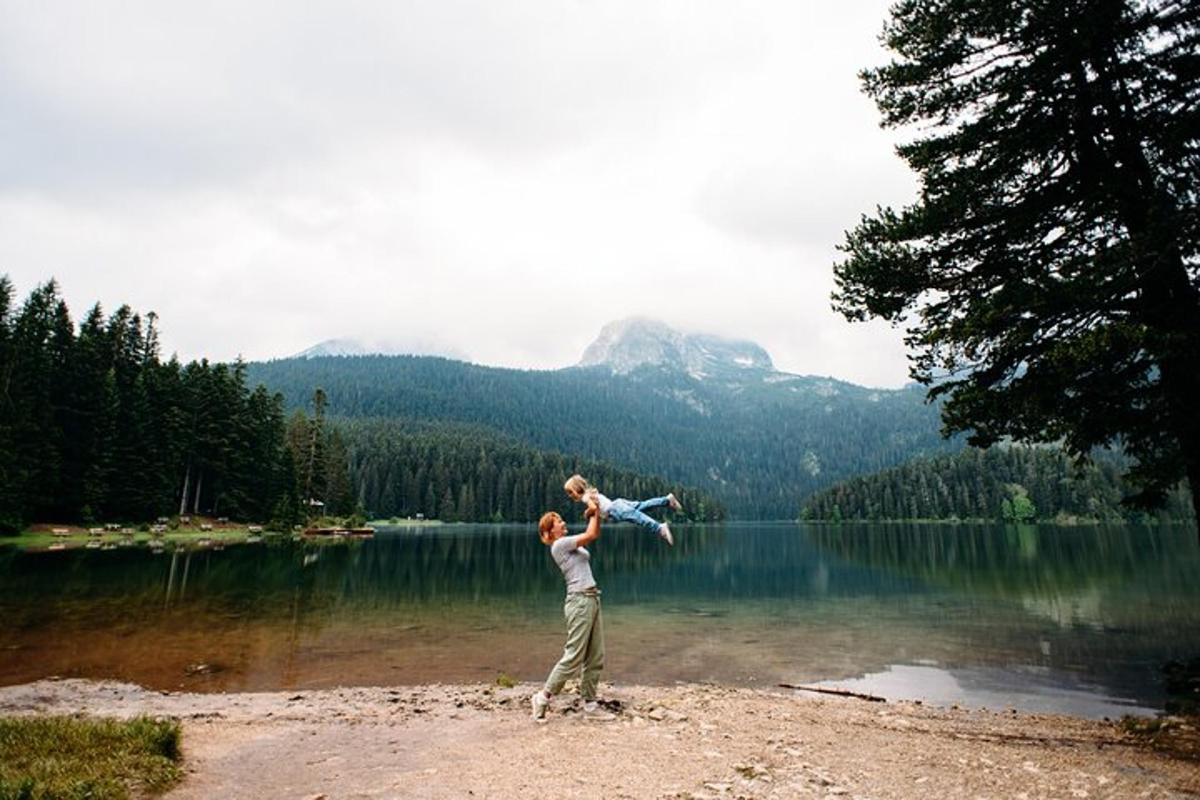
[{"x": 575, "y": 563}]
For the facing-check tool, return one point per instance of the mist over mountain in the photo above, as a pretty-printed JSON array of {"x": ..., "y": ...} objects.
[
  {"x": 695, "y": 409},
  {"x": 356, "y": 347},
  {"x": 337, "y": 347}
]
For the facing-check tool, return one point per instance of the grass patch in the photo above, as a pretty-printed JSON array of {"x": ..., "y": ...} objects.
[{"x": 76, "y": 758}]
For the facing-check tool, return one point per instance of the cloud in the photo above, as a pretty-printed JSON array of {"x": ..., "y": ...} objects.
[
  {"x": 811, "y": 203},
  {"x": 498, "y": 178},
  {"x": 169, "y": 95}
]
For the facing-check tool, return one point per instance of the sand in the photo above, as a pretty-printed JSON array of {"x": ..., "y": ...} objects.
[{"x": 683, "y": 741}]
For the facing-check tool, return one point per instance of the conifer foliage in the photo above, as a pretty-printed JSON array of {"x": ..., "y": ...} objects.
[
  {"x": 1005, "y": 484},
  {"x": 1049, "y": 271},
  {"x": 94, "y": 426},
  {"x": 469, "y": 473}
]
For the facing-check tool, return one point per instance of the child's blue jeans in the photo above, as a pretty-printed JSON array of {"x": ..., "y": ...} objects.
[{"x": 623, "y": 510}]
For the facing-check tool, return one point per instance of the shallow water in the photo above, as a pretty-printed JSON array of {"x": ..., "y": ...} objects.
[{"x": 1077, "y": 620}]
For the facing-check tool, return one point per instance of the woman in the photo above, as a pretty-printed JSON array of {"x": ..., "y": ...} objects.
[{"x": 585, "y": 628}]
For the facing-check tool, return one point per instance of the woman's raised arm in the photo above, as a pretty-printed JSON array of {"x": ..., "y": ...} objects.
[{"x": 593, "y": 528}]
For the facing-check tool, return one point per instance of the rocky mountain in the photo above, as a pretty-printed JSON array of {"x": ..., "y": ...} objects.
[
  {"x": 705, "y": 372},
  {"x": 628, "y": 344}
]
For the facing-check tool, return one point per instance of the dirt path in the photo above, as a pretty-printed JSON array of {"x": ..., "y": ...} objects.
[{"x": 666, "y": 742}]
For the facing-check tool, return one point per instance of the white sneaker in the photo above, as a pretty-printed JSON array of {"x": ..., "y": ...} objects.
[
  {"x": 665, "y": 532},
  {"x": 594, "y": 713},
  {"x": 673, "y": 502},
  {"x": 539, "y": 702}
]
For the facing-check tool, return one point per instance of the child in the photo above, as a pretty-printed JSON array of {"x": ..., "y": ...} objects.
[{"x": 579, "y": 490}]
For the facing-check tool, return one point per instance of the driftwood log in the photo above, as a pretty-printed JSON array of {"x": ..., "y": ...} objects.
[{"x": 839, "y": 692}]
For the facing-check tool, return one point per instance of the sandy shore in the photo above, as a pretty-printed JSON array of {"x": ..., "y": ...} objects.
[{"x": 686, "y": 741}]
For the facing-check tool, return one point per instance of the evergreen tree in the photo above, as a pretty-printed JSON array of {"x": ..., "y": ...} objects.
[
  {"x": 324, "y": 484},
  {"x": 314, "y": 459},
  {"x": 93, "y": 427},
  {"x": 339, "y": 493},
  {"x": 11, "y": 516},
  {"x": 36, "y": 456},
  {"x": 1051, "y": 262}
]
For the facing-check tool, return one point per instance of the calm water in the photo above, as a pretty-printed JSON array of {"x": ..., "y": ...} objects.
[{"x": 1077, "y": 620}]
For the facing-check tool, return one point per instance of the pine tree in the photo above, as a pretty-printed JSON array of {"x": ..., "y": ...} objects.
[
  {"x": 35, "y": 458},
  {"x": 1051, "y": 265},
  {"x": 10, "y": 505}
]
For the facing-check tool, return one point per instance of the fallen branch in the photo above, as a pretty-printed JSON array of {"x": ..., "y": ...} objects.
[{"x": 839, "y": 692}]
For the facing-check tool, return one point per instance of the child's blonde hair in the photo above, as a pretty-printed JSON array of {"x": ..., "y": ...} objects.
[
  {"x": 545, "y": 524},
  {"x": 576, "y": 486}
]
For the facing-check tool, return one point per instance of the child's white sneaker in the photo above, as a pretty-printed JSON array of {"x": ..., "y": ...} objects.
[
  {"x": 665, "y": 532},
  {"x": 539, "y": 702},
  {"x": 673, "y": 502}
]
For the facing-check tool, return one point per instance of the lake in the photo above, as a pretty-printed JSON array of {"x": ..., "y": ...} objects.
[{"x": 1076, "y": 620}]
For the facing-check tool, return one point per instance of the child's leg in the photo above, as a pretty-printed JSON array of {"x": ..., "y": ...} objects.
[
  {"x": 644, "y": 520},
  {"x": 623, "y": 510},
  {"x": 654, "y": 502}
]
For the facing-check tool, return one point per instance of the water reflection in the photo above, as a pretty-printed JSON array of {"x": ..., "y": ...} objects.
[
  {"x": 1014, "y": 558},
  {"x": 747, "y": 604},
  {"x": 1024, "y": 688}
]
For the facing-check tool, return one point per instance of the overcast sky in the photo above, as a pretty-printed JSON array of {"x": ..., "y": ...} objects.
[{"x": 498, "y": 179}]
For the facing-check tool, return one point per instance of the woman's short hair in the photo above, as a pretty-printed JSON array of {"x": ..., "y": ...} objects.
[{"x": 545, "y": 524}]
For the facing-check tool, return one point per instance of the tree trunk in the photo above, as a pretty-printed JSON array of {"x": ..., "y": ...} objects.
[
  {"x": 1194, "y": 485},
  {"x": 312, "y": 459},
  {"x": 187, "y": 481},
  {"x": 199, "y": 487},
  {"x": 1170, "y": 302}
]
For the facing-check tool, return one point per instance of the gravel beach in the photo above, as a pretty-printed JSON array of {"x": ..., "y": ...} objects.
[{"x": 683, "y": 741}]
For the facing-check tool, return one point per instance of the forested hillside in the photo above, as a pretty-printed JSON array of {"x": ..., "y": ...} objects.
[
  {"x": 758, "y": 444},
  {"x": 457, "y": 472},
  {"x": 1000, "y": 483}
]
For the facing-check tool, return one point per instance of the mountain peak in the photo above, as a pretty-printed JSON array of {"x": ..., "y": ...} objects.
[{"x": 626, "y": 344}]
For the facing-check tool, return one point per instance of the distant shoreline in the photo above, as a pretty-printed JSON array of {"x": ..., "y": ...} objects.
[
  {"x": 1058, "y": 523},
  {"x": 43, "y": 535}
]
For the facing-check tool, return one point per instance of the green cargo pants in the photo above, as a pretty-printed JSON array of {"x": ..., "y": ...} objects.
[{"x": 584, "y": 647}]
